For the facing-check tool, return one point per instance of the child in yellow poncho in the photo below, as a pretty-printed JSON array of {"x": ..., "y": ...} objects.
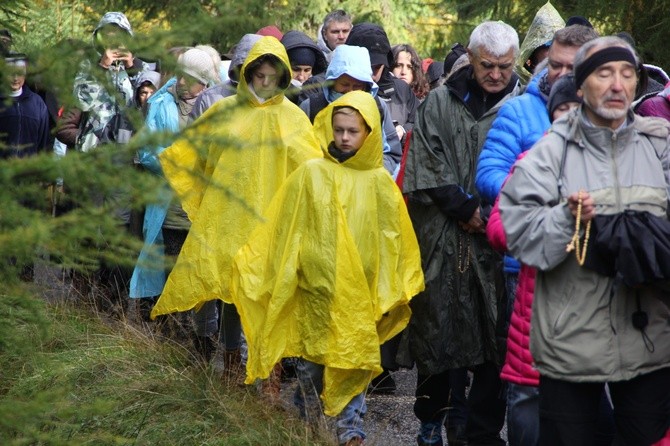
[{"x": 329, "y": 275}]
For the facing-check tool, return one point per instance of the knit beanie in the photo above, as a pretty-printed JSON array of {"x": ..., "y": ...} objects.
[
  {"x": 564, "y": 90},
  {"x": 199, "y": 65},
  {"x": 270, "y": 30},
  {"x": 301, "y": 56},
  {"x": 213, "y": 54}
]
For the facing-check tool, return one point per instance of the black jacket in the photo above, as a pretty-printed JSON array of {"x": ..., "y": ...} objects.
[{"x": 24, "y": 124}]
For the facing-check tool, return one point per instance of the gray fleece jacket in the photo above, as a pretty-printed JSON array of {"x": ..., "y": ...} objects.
[{"x": 581, "y": 330}]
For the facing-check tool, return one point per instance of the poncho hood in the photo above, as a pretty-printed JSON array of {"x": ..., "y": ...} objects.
[
  {"x": 111, "y": 18},
  {"x": 114, "y": 18},
  {"x": 152, "y": 77},
  {"x": 240, "y": 54},
  {"x": 541, "y": 31},
  {"x": 265, "y": 45},
  {"x": 369, "y": 156}
]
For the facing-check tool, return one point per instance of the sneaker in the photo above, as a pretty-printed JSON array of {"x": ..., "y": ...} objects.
[
  {"x": 430, "y": 434},
  {"x": 384, "y": 384}
]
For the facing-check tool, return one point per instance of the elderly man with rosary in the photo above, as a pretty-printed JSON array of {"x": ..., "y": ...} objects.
[{"x": 591, "y": 327}]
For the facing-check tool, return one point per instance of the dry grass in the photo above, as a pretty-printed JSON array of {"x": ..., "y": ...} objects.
[{"x": 71, "y": 376}]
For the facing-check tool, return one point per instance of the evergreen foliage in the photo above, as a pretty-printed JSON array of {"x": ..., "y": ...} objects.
[{"x": 431, "y": 27}]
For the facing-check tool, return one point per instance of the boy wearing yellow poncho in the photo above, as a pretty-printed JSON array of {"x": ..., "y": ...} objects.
[{"x": 329, "y": 275}]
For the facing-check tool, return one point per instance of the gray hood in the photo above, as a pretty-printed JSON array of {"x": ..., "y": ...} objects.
[
  {"x": 114, "y": 18},
  {"x": 111, "y": 18},
  {"x": 150, "y": 76},
  {"x": 323, "y": 46},
  {"x": 240, "y": 54}
]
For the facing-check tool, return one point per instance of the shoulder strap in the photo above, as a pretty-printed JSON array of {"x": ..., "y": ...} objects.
[
  {"x": 316, "y": 103},
  {"x": 380, "y": 108}
]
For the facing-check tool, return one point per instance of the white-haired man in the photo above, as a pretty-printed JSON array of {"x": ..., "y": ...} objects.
[
  {"x": 519, "y": 124},
  {"x": 454, "y": 321},
  {"x": 592, "y": 328}
]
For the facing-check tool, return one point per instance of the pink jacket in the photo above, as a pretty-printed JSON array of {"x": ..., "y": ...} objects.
[
  {"x": 658, "y": 105},
  {"x": 518, "y": 367},
  {"x": 665, "y": 441}
]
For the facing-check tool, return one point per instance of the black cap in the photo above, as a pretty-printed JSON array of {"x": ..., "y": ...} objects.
[
  {"x": 578, "y": 20},
  {"x": 456, "y": 51},
  {"x": 301, "y": 56},
  {"x": 374, "y": 38},
  {"x": 434, "y": 72}
]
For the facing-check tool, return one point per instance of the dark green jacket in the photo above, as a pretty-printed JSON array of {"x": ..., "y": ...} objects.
[{"x": 454, "y": 320}]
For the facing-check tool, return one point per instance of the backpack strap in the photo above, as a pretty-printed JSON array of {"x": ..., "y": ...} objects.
[{"x": 317, "y": 103}]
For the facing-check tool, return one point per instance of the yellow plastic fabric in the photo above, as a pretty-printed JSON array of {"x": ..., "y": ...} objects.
[
  {"x": 226, "y": 169},
  {"x": 330, "y": 273}
]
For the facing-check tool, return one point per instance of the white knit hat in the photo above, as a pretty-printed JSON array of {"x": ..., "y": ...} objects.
[
  {"x": 198, "y": 64},
  {"x": 213, "y": 54}
]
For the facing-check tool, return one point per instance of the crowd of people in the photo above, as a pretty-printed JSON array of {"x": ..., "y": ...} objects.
[{"x": 341, "y": 208}]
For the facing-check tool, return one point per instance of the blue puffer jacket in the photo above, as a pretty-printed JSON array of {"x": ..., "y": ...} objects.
[{"x": 521, "y": 121}]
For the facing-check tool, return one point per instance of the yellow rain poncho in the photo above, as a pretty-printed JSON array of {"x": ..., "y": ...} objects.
[
  {"x": 226, "y": 169},
  {"x": 330, "y": 273}
]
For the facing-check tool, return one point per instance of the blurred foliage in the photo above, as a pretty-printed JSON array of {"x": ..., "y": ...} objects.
[{"x": 430, "y": 26}]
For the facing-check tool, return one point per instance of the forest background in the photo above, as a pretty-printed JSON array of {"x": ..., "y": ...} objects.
[
  {"x": 65, "y": 377},
  {"x": 432, "y": 26}
]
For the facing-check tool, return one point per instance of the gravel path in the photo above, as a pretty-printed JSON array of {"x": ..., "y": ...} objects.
[{"x": 390, "y": 420}]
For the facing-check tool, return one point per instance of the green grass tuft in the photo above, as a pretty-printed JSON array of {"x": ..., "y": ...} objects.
[{"x": 71, "y": 378}]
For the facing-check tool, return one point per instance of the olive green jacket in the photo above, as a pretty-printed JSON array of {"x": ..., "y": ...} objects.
[{"x": 454, "y": 320}]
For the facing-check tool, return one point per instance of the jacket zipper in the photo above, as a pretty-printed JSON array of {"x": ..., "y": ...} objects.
[
  {"x": 19, "y": 139},
  {"x": 615, "y": 171}
]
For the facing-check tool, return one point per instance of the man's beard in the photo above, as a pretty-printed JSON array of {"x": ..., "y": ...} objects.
[{"x": 609, "y": 113}]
